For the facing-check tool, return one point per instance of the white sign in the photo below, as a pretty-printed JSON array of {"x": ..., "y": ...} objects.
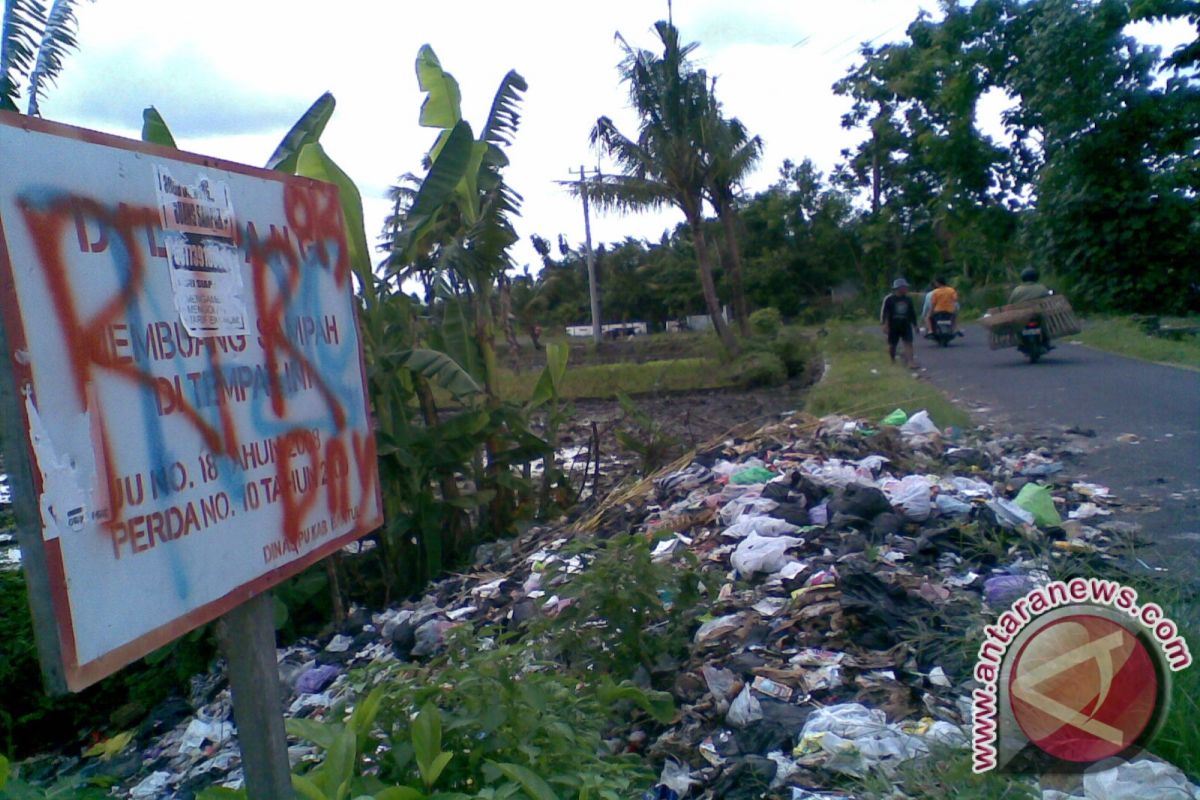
[{"x": 182, "y": 334}]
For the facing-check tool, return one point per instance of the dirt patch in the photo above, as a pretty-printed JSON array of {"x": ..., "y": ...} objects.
[{"x": 683, "y": 422}]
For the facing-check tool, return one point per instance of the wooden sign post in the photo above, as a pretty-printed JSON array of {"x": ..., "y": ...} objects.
[
  {"x": 247, "y": 638},
  {"x": 184, "y": 402}
]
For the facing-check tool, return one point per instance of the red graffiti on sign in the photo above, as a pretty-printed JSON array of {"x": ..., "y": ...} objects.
[{"x": 97, "y": 343}]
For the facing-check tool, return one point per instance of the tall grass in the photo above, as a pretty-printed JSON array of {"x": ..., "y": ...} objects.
[
  {"x": 1123, "y": 336},
  {"x": 605, "y": 380},
  {"x": 860, "y": 381}
]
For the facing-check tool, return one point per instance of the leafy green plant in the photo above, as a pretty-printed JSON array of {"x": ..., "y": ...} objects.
[
  {"x": 795, "y": 350},
  {"x": 759, "y": 368},
  {"x": 344, "y": 744},
  {"x": 644, "y": 435},
  {"x": 547, "y": 394},
  {"x": 627, "y": 611},
  {"x": 514, "y": 722},
  {"x": 766, "y": 322},
  {"x": 72, "y": 787}
]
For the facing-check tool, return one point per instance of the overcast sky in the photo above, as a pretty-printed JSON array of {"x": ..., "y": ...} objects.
[{"x": 231, "y": 77}]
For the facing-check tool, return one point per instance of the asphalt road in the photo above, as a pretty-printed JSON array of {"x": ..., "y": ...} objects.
[{"x": 1155, "y": 472}]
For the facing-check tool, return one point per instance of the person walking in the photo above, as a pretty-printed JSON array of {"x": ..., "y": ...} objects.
[{"x": 898, "y": 317}]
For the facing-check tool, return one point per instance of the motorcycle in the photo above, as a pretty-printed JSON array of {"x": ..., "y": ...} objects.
[
  {"x": 1032, "y": 341},
  {"x": 943, "y": 329}
]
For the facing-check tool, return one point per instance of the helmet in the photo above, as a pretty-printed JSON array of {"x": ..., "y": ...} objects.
[
  {"x": 1029, "y": 274},
  {"x": 899, "y": 283}
]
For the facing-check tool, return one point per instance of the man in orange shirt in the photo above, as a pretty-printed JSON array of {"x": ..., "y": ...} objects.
[{"x": 943, "y": 300}]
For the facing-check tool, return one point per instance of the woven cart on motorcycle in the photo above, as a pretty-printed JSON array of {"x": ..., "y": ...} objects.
[{"x": 1005, "y": 323}]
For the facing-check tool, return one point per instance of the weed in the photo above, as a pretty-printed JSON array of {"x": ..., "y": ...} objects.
[
  {"x": 644, "y": 435},
  {"x": 601, "y": 380},
  {"x": 860, "y": 381},
  {"x": 766, "y": 322},
  {"x": 945, "y": 772},
  {"x": 508, "y": 718},
  {"x": 1122, "y": 335},
  {"x": 627, "y": 611},
  {"x": 759, "y": 368}
]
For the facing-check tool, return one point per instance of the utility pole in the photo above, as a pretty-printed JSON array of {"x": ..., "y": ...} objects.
[{"x": 593, "y": 289}]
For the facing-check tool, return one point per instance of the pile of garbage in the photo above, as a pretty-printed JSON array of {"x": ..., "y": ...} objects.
[{"x": 852, "y": 558}]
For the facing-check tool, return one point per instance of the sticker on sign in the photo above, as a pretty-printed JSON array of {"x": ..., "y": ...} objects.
[{"x": 183, "y": 351}]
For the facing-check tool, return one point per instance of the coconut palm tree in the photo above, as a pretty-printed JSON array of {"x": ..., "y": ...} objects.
[
  {"x": 667, "y": 163},
  {"x": 33, "y": 44},
  {"x": 733, "y": 154}
]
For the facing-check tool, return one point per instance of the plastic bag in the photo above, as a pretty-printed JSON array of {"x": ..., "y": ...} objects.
[
  {"x": 676, "y": 777},
  {"x": 1002, "y": 590},
  {"x": 1138, "y": 780},
  {"x": 715, "y": 628},
  {"x": 762, "y": 553},
  {"x": 950, "y": 505},
  {"x": 763, "y": 526},
  {"x": 969, "y": 487},
  {"x": 919, "y": 424},
  {"x": 1037, "y": 500},
  {"x": 744, "y": 709},
  {"x": 897, "y": 417},
  {"x": 1009, "y": 514},
  {"x": 719, "y": 681},
  {"x": 859, "y": 738},
  {"x": 746, "y": 505},
  {"x": 752, "y": 475},
  {"x": 911, "y": 496}
]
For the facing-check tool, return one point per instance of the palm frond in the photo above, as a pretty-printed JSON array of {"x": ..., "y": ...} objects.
[
  {"x": 20, "y": 31},
  {"x": 504, "y": 116},
  {"x": 58, "y": 38},
  {"x": 625, "y": 193}
]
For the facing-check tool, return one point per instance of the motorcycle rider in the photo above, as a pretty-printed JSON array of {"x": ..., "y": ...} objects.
[
  {"x": 1029, "y": 290},
  {"x": 943, "y": 300}
]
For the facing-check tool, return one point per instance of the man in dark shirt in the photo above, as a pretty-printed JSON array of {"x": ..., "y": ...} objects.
[{"x": 898, "y": 317}]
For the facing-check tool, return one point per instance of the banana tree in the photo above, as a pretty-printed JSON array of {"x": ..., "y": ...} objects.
[{"x": 456, "y": 234}]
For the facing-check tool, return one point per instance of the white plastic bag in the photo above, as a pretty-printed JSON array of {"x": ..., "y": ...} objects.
[
  {"x": 763, "y": 526},
  {"x": 744, "y": 709},
  {"x": 969, "y": 487},
  {"x": 1009, "y": 514},
  {"x": 1138, "y": 780},
  {"x": 763, "y": 553},
  {"x": 911, "y": 496},
  {"x": 752, "y": 506},
  {"x": 949, "y": 505},
  {"x": 676, "y": 777},
  {"x": 919, "y": 424},
  {"x": 859, "y": 738}
]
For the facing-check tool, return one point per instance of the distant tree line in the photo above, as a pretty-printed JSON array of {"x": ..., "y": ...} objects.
[{"x": 1098, "y": 186}]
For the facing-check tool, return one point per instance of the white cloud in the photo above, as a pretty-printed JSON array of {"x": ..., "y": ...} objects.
[{"x": 231, "y": 76}]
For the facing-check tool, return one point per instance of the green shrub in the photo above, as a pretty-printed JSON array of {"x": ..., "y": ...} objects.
[
  {"x": 794, "y": 349},
  {"x": 501, "y": 705},
  {"x": 759, "y": 368},
  {"x": 766, "y": 322},
  {"x": 646, "y": 608}
]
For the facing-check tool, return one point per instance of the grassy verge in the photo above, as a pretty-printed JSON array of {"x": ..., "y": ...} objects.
[
  {"x": 1122, "y": 336},
  {"x": 603, "y": 380},
  {"x": 860, "y": 381}
]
